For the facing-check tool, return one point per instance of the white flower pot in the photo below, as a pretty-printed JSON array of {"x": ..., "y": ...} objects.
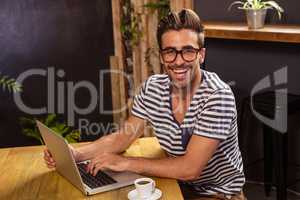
[{"x": 256, "y": 18}]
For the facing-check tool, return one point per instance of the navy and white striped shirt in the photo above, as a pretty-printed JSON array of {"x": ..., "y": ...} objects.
[{"x": 212, "y": 113}]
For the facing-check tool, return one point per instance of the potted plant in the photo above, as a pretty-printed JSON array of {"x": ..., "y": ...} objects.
[{"x": 256, "y": 11}]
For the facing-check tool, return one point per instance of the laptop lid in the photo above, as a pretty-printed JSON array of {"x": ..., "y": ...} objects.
[{"x": 65, "y": 163}]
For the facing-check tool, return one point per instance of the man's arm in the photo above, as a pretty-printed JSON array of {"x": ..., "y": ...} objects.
[
  {"x": 199, "y": 151},
  {"x": 190, "y": 166}
]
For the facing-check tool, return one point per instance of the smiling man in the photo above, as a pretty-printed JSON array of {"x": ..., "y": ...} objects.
[{"x": 193, "y": 115}]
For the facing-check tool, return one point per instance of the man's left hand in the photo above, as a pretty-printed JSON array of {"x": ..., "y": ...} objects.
[{"x": 109, "y": 161}]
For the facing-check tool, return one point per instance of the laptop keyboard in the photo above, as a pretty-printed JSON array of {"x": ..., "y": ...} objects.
[{"x": 101, "y": 178}]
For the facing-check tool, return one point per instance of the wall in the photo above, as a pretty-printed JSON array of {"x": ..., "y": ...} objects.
[{"x": 75, "y": 36}]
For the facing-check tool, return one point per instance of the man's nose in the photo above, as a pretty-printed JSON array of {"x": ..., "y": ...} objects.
[{"x": 179, "y": 60}]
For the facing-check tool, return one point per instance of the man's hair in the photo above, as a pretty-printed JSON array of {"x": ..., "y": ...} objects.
[{"x": 185, "y": 19}]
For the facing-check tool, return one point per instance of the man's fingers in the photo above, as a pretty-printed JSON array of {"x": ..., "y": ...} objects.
[
  {"x": 97, "y": 168},
  {"x": 47, "y": 152},
  {"x": 50, "y": 164},
  {"x": 88, "y": 167},
  {"x": 46, "y": 157},
  {"x": 92, "y": 165},
  {"x": 49, "y": 159}
]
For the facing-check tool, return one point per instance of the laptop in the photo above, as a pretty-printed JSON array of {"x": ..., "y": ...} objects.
[{"x": 75, "y": 172}]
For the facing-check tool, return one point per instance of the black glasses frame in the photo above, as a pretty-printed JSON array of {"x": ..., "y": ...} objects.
[{"x": 181, "y": 54}]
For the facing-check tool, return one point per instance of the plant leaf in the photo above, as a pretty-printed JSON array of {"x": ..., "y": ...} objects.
[
  {"x": 50, "y": 120},
  {"x": 33, "y": 134},
  {"x": 273, "y": 4},
  {"x": 10, "y": 84},
  {"x": 27, "y": 122},
  {"x": 73, "y": 137},
  {"x": 235, "y": 3}
]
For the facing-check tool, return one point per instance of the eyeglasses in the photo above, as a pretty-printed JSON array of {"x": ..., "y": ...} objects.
[{"x": 189, "y": 54}]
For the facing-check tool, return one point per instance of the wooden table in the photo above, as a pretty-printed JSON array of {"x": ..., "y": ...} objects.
[{"x": 23, "y": 175}]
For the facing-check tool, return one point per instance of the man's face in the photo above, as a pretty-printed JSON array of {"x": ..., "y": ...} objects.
[{"x": 183, "y": 69}]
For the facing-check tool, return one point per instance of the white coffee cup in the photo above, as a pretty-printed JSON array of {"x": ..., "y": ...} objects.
[{"x": 145, "y": 187}]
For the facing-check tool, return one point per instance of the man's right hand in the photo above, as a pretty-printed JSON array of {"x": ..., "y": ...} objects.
[{"x": 50, "y": 162}]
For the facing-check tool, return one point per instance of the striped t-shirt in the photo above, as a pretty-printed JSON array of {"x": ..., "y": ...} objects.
[{"x": 212, "y": 113}]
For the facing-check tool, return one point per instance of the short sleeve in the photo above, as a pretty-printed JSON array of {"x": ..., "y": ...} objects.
[
  {"x": 216, "y": 118},
  {"x": 139, "y": 107}
]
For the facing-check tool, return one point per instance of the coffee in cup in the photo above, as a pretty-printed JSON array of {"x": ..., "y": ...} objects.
[{"x": 145, "y": 187}]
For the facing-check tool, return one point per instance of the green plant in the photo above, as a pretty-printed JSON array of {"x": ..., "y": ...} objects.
[
  {"x": 130, "y": 27},
  {"x": 162, "y": 6},
  {"x": 30, "y": 129},
  {"x": 10, "y": 84},
  {"x": 258, "y": 4},
  {"x": 131, "y": 20}
]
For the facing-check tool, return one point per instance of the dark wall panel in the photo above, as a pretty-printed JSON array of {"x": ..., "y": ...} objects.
[
  {"x": 72, "y": 35},
  {"x": 247, "y": 62}
]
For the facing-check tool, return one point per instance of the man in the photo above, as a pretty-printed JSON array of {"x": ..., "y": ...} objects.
[{"x": 193, "y": 115}]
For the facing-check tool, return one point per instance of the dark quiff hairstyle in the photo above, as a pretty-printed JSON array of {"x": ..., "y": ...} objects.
[{"x": 184, "y": 19}]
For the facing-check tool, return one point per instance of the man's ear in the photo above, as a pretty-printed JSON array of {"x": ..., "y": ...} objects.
[{"x": 202, "y": 54}]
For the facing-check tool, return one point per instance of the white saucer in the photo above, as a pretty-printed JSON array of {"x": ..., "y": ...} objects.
[{"x": 133, "y": 195}]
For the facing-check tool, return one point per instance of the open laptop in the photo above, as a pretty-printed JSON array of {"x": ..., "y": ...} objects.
[{"x": 75, "y": 172}]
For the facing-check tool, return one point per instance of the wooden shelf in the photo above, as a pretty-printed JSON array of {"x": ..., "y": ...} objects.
[{"x": 240, "y": 31}]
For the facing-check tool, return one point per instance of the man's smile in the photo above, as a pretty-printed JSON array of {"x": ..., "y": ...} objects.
[{"x": 180, "y": 74}]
